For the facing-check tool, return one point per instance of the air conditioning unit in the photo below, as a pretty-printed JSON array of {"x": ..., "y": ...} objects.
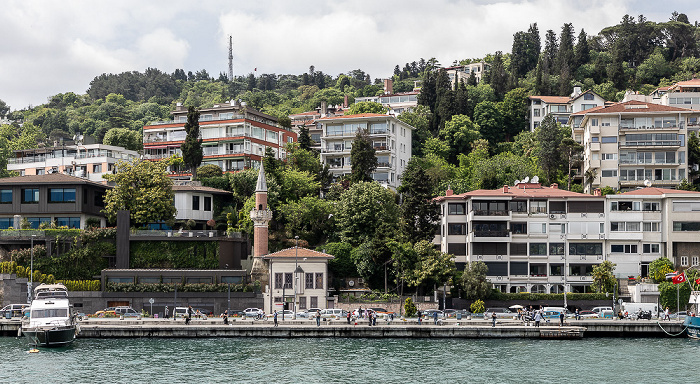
[
  {"x": 552, "y": 216},
  {"x": 360, "y": 280},
  {"x": 563, "y": 216},
  {"x": 427, "y": 298}
]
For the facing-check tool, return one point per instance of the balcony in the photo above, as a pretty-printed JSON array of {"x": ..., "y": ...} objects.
[
  {"x": 491, "y": 234},
  {"x": 383, "y": 165},
  {"x": 650, "y": 127},
  {"x": 661, "y": 143},
  {"x": 491, "y": 212},
  {"x": 595, "y": 146}
]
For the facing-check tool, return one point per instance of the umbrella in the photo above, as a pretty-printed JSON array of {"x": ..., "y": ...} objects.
[{"x": 516, "y": 306}]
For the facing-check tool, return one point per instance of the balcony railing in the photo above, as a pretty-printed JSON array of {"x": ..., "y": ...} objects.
[
  {"x": 480, "y": 212},
  {"x": 646, "y": 127},
  {"x": 383, "y": 165},
  {"x": 491, "y": 234},
  {"x": 661, "y": 143}
]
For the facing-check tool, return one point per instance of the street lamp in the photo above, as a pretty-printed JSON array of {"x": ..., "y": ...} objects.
[{"x": 296, "y": 277}]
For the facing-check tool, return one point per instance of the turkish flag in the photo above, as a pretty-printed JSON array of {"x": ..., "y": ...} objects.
[
  {"x": 697, "y": 281},
  {"x": 678, "y": 279}
]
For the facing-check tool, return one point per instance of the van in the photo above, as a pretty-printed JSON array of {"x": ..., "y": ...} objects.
[
  {"x": 179, "y": 312},
  {"x": 555, "y": 309},
  {"x": 333, "y": 313},
  {"x": 598, "y": 310},
  {"x": 634, "y": 308}
]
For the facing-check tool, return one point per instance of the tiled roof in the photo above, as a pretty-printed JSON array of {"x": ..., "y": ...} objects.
[
  {"x": 301, "y": 253},
  {"x": 552, "y": 99},
  {"x": 51, "y": 178},
  {"x": 657, "y": 192},
  {"x": 531, "y": 190},
  {"x": 625, "y": 108},
  {"x": 192, "y": 188},
  {"x": 360, "y": 115},
  {"x": 687, "y": 83}
]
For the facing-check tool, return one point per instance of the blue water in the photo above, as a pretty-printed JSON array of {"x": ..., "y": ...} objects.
[{"x": 227, "y": 360}]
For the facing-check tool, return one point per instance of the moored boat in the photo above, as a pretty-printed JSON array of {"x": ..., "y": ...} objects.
[
  {"x": 692, "y": 323},
  {"x": 51, "y": 322}
]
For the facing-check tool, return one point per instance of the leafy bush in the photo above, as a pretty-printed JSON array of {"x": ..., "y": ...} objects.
[
  {"x": 137, "y": 287},
  {"x": 374, "y": 296},
  {"x": 477, "y": 307},
  {"x": 409, "y": 307}
]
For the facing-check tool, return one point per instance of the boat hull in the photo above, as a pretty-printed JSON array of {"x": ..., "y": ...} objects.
[
  {"x": 692, "y": 324},
  {"x": 54, "y": 337}
]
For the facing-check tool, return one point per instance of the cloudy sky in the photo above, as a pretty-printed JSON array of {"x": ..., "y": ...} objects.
[{"x": 49, "y": 47}]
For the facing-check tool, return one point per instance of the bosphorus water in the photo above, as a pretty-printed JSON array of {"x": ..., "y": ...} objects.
[{"x": 311, "y": 360}]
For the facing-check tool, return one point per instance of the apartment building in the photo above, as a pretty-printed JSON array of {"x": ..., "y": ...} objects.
[
  {"x": 561, "y": 107},
  {"x": 533, "y": 238},
  {"x": 463, "y": 72},
  {"x": 649, "y": 223},
  {"x": 89, "y": 161},
  {"x": 234, "y": 136},
  {"x": 630, "y": 143},
  {"x": 390, "y": 137}
]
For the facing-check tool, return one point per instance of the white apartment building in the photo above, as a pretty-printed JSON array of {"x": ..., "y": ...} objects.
[
  {"x": 528, "y": 235},
  {"x": 648, "y": 223},
  {"x": 390, "y": 137},
  {"x": 234, "y": 136},
  {"x": 463, "y": 72},
  {"x": 89, "y": 161},
  {"x": 627, "y": 143},
  {"x": 561, "y": 107},
  {"x": 533, "y": 238}
]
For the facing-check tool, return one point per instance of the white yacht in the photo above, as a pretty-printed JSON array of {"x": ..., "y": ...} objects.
[{"x": 51, "y": 322}]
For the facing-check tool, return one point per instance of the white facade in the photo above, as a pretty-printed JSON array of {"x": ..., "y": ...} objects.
[
  {"x": 561, "y": 107},
  {"x": 463, "y": 72},
  {"x": 195, "y": 202},
  {"x": 390, "y": 137},
  {"x": 89, "y": 161},
  {"x": 397, "y": 103}
]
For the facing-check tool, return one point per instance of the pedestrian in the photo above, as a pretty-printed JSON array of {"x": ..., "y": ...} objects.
[
  {"x": 666, "y": 315},
  {"x": 349, "y": 318},
  {"x": 561, "y": 319},
  {"x": 420, "y": 319},
  {"x": 538, "y": 318},
  {"x": 578, "y": 315},
  {"x": 435, "y": 317},
  {"x": 189, "y": 315},
  {"x": 226, "y": 317},
  {"x": 274, "y": 317},
  {"x": 374, "y": 319},
  {"x": 166, "y": 311},
  {"x": 493, "y": 319},
  {"x": 318, "y": 320},
  {"x": 369, "y": 318}
]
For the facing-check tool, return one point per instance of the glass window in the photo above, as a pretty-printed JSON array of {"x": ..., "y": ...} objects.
[
  {"x": 456, "y": 209},
  {"x": 319, "y": 281},
  {"x": 538, "y": 249},
  {"x": 5, "y": 196},
  {"x": 456, "y": 229},
  {"x": 207, "y": 203},
  {"x": 61, "y": 195},
  {"x": 556, "y": 248},
  {"x": 70, "y": 222},
  {"x": 609, "y": 139},
  {"x": 6, "y": 222},
  {"x": 683, "y": 226},
  {"x": 195, "y": 203},
  {"x": 309, "y": 280},
  {"x": 30, "y": 195},
  {"x": 518, "y": 228}
]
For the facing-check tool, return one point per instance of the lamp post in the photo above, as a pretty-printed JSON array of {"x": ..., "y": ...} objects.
[{"x": 296, "y": 277}]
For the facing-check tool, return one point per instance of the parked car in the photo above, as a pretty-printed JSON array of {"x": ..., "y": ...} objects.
[
  {"x": 679, "y": 315},
  {"x": 333, "y": 313},
  {"x": 598, "y": 310},
  {"x": 13, "y": 310},
  {"x": 109, "y": 311},
  {"x": 501, "y": 313},
  {"x": 303, "y": 314},
  {"x": 126, "y": 311},
  {"x": 253, "y": 312},
  {"x": 284, "y": 314},
  {"x": 587, "y": 315},
  {"x": 429, "y": 313}
]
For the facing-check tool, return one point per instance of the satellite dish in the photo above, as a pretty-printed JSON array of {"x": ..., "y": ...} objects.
[
  {"x": 535, "y": 179},
  {"x": 516, "y": 182},
  {"x": 647, "y": 183},
  {"x": 526, "y": 179}
]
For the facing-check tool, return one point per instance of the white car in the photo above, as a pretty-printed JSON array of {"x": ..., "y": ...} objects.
[
  {"x": 286, "y": 314},
  {"x": 253, "y": 312}
]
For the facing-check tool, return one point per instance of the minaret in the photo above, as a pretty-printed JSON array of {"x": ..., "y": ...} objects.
[{"x": 261, "y": 216}]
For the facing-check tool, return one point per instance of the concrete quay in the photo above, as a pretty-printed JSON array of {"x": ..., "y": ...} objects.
[{"x": 214, "y": 327}]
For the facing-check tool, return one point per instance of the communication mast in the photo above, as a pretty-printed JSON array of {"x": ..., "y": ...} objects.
[{"x": 230, "y": 58}]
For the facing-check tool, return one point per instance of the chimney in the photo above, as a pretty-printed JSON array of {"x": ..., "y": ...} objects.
[
  {"x": 597, "y": 192},
  {"x": 506, "y": 189},
  {"x": 388, "y": 86},
  {"x": 345, "y": 101},
  {"x": 324, "y": 109},
  {"x": 577, "y": 91},
  {"x": 554, "y": 186},
  {"x": 449, "y": 192}
]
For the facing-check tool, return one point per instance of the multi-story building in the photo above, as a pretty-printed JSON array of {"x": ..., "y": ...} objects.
[
  {"x": 649, "y": 223},
  {"x": 463, "y": 72},
  {"x": 561, "y": 107},
  {"x": 89, "y": 161},
  {"x": 683, "y": 94},
  {"x": 67, "y": 201},
  {"x": 234, "y": 136},
  {"x": 390, "y": 137},
  {"x": 532, "y": 238},
  {"x": 626, "y": 144}
]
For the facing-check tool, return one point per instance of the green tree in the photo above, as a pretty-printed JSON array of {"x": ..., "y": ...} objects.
[
  {"x": 572, "y": 153},
  {"x": 304, "y": 138},
  {"x": 192, "y": 152},
  {"x": 367, "y": 211},
  {"x": 459, "y": 133},
  {"x": 582, "y": 50},
  {"x": 474, "y": 281},
  {"x": 419, "y": 212},
  {"x": 123, "y": 137},
  {"x": 296, "y": 184},
  {"x": 419, "y": 119},
  {"x": 366, "y": 107},
  {"x": 671, "y": 295},
  {"x": 310, "y": 218},
  {"x": 603, "y": 278},
  {"x": 144, "y": 189},
  {"x": 498, "y": 78},
  {"x": 409, "y": 307},
  {"x": 341, "y": 265},
  {"x": 4, "y": 108},
  {"x": 526, "y": 50},
  {"x": 549, "y": 136},
  {"x": 515, "y": 111},
  {"x": 209, "y": 170},
  {"x": 489, "y": 118},
  {"x": 659, "y": 268},
  {"x": 693, "y": 154},
  {"x": 433, "y": 266},
  {"x": 362, "y": 157}
]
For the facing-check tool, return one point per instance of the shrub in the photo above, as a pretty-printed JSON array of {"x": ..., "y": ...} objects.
[
  {"x": 409, "y": 307},
  {"x": 477, "y": 306}
]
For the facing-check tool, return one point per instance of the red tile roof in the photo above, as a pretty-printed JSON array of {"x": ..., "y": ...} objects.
[
  {"x": 628, "y": 107},
  {"x": 300, "y": 253},
  {"x": 194, "y": 188},
  {"x": 552, "y": 99},
  {"x": 649, "y": 191},
  {"x": 49, "y": 178},
  {"x": 531, "y": 190}
]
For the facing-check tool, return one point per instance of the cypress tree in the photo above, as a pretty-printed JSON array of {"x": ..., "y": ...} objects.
[{"x": 192, "y": 152}]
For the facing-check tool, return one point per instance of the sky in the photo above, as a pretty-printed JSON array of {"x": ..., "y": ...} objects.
[{"x": 49, "y": 47}]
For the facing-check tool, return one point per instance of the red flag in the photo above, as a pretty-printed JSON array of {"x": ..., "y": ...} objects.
[
  {"x": 679, "y": 279},
  {"x": 697, "y": 281}
]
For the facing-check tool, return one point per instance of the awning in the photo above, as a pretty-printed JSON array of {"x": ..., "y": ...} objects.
[{"x": 156, "y": 147}]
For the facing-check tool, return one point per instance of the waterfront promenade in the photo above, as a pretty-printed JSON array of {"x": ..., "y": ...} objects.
[{"x": 214, "y": 327}]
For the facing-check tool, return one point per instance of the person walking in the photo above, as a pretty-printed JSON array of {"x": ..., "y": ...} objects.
[
  {"x": 349, "y": 316},
  {"x": 189, "y": 315},
  {"x": 166, "y": 312},
  {"x": 493, "y": 319},
  {"x": 578, "y": 315},
  {"x": 667, "y": 315},
  {"x": 561, "y": 319},
  {"x": 538, "y": 318},
  {"x": 420, "y": 318},
  {"x": 274, "y": 317},
  {"x": 318, "y": 319},
  {"x": 226, "y": 317},
  {"x": 435, "y": 317},
  {"x": 369, "y": 318}
]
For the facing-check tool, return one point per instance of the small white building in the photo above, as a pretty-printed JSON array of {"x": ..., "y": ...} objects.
[
  {"x": 298, "y": 276},
  {"x": 193, "y": 201}
]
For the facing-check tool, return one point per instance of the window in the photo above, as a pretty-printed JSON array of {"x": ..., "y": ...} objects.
[
  {"x": 610, "y": 156},
  {"x": 319, "y": 281},
  {"x": 652, "y": 207},
  {"x": 34, "y": 222},
  {"x": 695, "y": 259},
  {"x": 5, "y": 196},
  {"x": 288, "y": 278},
  {"x": 538, "y": 206},
  {"x": 650, "y": 226},
  {"x": 302, "y": 302},
  {"x": 239, "y": 279},
  {"x": 595, "y": 139},
  {"x": 456, "y": 229},
  {"x": 278, "y": 280},
  {"x": 40, "y": 171},
  {"x": 6, "y": 222},
  {"x": 686, "y": 226},
  {"x": 518, "y": 249},
  {"x": 557, "y": 228},
  {"x": 624, "y": 226},
  {"x": 313, "y": 302},
  {"x": 61, "y": 195},
  {"x": 309, "y": 281},
  {"x": 650, "y": 248},
  {"x": 679, "y": 206},
  {"x": 609, "y": 173},
  {"x": 588, "y": 96},
  {"x": 608, "y": 139},
  {"x": 518, "y": 206},
  {"x": 538, "y": 249},
  {"x": 684, "y": 261},
  {"x": 195, "y": 203},
  {"x": 623, "y": 248},
  {"x": 556, "y": 249},
  {"x": 70, "y": 222},
  {"x": 585, "y": 248},
  {"x": 455, "y": 209},
  {"x": 30, "y": 196},
  {"x": 97, "y": 168},
  {"x": 538, "y": 228},
  {"x": 207, "y": 203},
  {"x": 518, "y": 228}
]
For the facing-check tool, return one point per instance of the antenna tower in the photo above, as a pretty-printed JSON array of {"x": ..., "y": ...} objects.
[{"x": 230, "y": 58}]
